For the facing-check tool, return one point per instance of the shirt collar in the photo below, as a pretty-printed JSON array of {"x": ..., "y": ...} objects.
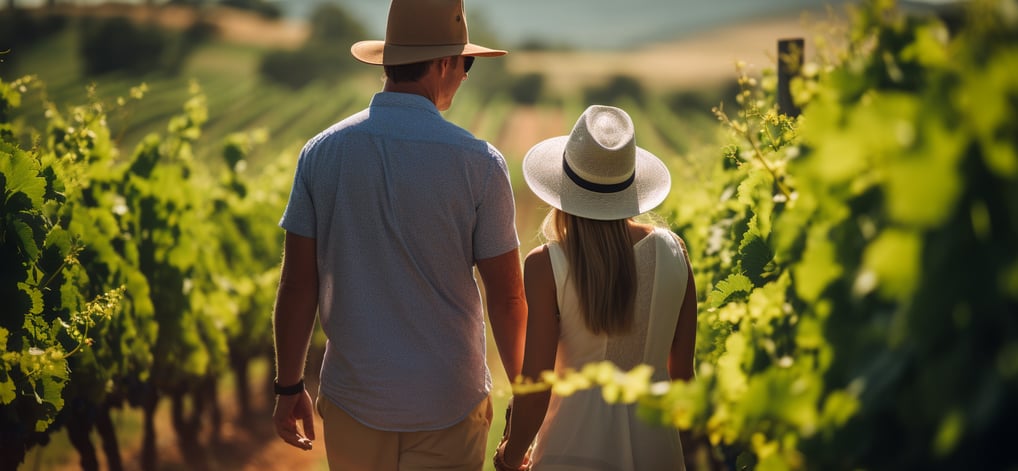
[{"x": 403, "y": 100}]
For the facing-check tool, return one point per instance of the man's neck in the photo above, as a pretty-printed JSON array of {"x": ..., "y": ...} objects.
[{"x": 413, "y": 88}]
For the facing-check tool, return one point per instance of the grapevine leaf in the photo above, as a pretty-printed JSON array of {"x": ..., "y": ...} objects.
[
  {"x": 756, "y": 254},
  {"x": 818, "y": 267},
  {"x": 8, "y": 392},
  {"x": 22, "y": 173},
  {"x": 921, "y": 193},
  {"x": 34, "y": 296},
  {"x": 51, "y": 389},
  {"x": 950, "y": 432},
  {"x": 26, "y": 235},
  {"x": 894, "y": 258},
  {"x": 736, "y": 286},
  {"x": 923, "y": 186},
  {"x": 839, "y": 406},
  {"x": 930, "y": 46}
]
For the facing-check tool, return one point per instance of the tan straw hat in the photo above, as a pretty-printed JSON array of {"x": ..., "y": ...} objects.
[
  {"x": 597, "y": 171},
  {"x": 420, "y": 30}
]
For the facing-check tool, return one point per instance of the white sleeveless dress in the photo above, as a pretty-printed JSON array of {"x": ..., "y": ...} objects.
[{"x": 581, "y": 431}]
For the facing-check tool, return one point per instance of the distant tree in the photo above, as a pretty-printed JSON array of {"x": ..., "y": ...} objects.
[
  {"x": 527, "y": 89},
  {"x": 21, "y": 28},
  {"x": 112, "y": 44},
  {"x": 265, "y": 8},
  {"x": 489, "y": 76},
  {"x": 686, "y": 101},
  {"x": 325, "y": 56},
  {"x": 119, "y": 44},
  {"x": 331, "y": 24},
  {"x": 617, "y": 88}
]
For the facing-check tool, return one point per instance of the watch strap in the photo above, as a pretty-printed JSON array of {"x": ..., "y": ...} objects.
[{"x": 288, "y": 390}]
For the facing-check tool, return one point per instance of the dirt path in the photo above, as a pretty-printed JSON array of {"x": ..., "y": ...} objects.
[
  {"x": 524, "y": 127},
  {"x": 247, "y": 444}
]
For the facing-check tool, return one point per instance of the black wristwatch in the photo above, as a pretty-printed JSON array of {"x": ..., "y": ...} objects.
[{"x": 288, "y": 390}]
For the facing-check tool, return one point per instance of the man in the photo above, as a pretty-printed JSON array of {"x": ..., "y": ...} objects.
[{"x": 390, "y": 211}]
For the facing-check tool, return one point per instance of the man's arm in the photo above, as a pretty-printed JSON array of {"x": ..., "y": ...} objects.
[
  {"x": 507, "y": 307},
  {"x": 293, "y": 322}
]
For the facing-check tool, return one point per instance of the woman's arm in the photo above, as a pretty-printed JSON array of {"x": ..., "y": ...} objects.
[
  {"x": 539, "y": 354},
  {"x": 680, "y": 359}
]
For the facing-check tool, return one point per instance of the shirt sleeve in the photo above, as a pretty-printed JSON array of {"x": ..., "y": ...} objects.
[
  {"x": 299, "y": 214},
  {"x": 495, "y": 229}
]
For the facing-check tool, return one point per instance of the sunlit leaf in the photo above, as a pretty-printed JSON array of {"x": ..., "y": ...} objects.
[
  {"x": 893, "y": 258},
  {"x": 735, "y": 286},
  {"x": 818, "y": 266},
  {"x": 949, "y": 433}
]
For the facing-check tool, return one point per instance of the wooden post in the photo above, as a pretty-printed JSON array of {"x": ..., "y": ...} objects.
[{"x": 790, "y": 58}]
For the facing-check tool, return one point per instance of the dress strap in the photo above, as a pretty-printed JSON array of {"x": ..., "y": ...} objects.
[
  {"x": 670, "y": 279},
  {"x": 559, "y": 267}
]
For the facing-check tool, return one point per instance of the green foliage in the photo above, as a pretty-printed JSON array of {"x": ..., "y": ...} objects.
[
  {"x": 617, "y": 89},
  {"x": 19, "y": 28},
  {"x": 265, "y": 8},
  {"x": 319, "y": 58},
  {"x": 120, "y": 44},
  {"x": 332, "y": 25},
  {"x": 527, "y": 89},
  {"x": 112, "y": 44},
  {"x": 859, "y": 345},
  {"x": 48, "y": 322},
  {"x": 178, "y": 267},
  {"x": 860, "y": 260},
  {"x": 838, "y": 332}
]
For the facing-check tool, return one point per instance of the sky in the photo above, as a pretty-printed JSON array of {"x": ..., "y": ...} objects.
[
  {"x": 583, "y": 24},
  {"x": 591, "y": 23}
]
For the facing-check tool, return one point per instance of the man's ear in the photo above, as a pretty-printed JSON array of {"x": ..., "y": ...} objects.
[{"x": 445, "y": 65}]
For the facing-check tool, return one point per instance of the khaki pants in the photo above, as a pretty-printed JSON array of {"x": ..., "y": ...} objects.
[{"x": 351, "y": 445}]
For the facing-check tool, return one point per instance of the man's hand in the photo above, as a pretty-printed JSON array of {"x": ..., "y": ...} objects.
[{"x": 289, "y": 410}]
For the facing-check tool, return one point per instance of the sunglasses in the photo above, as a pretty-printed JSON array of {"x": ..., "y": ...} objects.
[{"x": 468, "y": 62}]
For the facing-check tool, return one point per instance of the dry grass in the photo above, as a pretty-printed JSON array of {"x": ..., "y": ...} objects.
[
  {"x": 233, "y": 25},
  {"x": 698, "y": 60}
]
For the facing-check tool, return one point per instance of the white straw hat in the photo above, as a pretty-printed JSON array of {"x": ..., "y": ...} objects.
[
  {"x": 597, "y": 171},
  {"x": 420, "y": 30}
]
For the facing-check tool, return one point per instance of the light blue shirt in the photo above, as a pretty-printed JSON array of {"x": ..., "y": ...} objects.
[{"x": 401, "y": 204}]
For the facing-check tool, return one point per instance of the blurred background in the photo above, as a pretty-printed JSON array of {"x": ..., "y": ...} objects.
[
  {"x": 281, "y": 71},
  {"x": 285, "y": 67}
]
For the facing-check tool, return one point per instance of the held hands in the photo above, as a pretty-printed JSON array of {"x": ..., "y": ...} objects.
[
  {"x": 500, "y": 462},
  {"x": 290, "y": 409},
  {"x": 502, "y": 465}
]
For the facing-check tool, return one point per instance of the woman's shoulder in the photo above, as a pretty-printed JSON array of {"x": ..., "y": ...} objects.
[
  {"x": 538, "y": 264},
  {"x": 539, "y": 251},
  {"x": 669, "y": 238}
]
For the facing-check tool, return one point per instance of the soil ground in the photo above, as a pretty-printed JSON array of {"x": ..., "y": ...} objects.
[{"x": 246, "y": 444}]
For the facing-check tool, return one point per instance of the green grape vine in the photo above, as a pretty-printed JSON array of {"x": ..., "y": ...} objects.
[
  {"x": 178, "y": 267},
  {"x": 861, "y": 259}
]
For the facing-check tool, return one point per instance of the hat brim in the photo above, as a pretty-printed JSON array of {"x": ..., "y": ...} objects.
[
  {"x": 376, "y": 52},
  {"x": 542, "y": 170}
]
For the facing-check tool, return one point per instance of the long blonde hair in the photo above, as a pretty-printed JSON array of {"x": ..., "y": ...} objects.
[{"x": 602, "y": 265}]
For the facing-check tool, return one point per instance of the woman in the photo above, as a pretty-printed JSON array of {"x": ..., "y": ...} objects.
[{"x": 604, "y": 287}]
